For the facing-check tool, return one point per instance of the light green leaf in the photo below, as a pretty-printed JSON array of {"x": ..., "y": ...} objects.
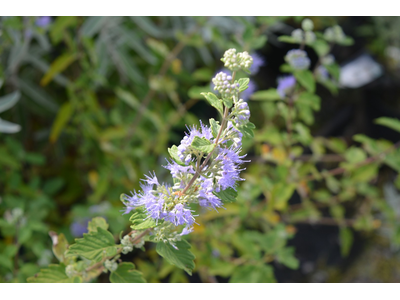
[
  {"x": 62, "y": 118},
  {"x": 202, "y": 144},
  {"x": 215, "y": 127},
  {"x": 126, "y": 273},
  {"x": 355, "y": 155},
  {"x": 9, "y": 100},
  {"x": 227, "y": 195},
  {"x": 94, "y": 245},
  {"x": 334, "y": 70},
  {"x": 57, "y": 66},
  {"x": 267, "y": 95},
  {"x": 243, "y": 84},
  {"x": 214, "y": 101},
  {"x": 253, "y": 274},
  {"x": 59, "y": 25},
  {"x": 287, "y": 39},
  {"x": 306, "y": 79},
  {"x": 286, "y": 257},
  {"x": 321, "y": 47},
  {"x": 304, "y": 133},
  {"x": 280, "y": 195},
  {"x": 97, "y": 222},
  {"x": 195, "y": 92},
  {"x": 182, "y": 258},
  {"x": 173, "y": 151},
  {"x": 389, "y": 122},
  {"x": 140, "y": 220},
  {"x": 53, "y": 274}
]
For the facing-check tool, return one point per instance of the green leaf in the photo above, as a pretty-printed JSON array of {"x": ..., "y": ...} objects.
[
  {"x": 60, "y": 24},
  {"x": 97, "y": 222},
  {"x": 355, "y": 155},
  {"x": 267, "y": 95},
  {"x": 253, "y": 274},
  {"x": 9, "y": 100},
  {"x": 286, "y": 257},
  {"x": 173, "y": 151},
  {"x": 347, "y": 41},
  {"x": 346, "y": 240},
  {"x": 214, "y": 101},
  {"x": 57, "y": 66},
  {"x": 62, "y": 118},
  {"x": 243, "y": 84},
  {"x": 227, "y": 102},
  {"x": 280, "y": 195},
  {"x": 94, "y": 245},
  {"x": 304, "y": 133},
  {"x": 182, "y": 258},
  {"x": 320, "y": 47},
  {"x": 389, "y": 122},
  {"x": 60, "y": 245},
  {"x": 92, "y": 25},
  {"x": 306, "y": 79},
  {"x": 227, "y": 195},
  {"x": 287, "y": 39},
  {"x": 310, "y": 99},
  {"x": 202, "y": 144},
  {"x": 334, "y": 70},
  {"x": 195, "y": 92},
  {"x": 126, "y": 273},
  {"x": 215, "y": 127},
  {"x": 139, "y": 222},
  {"x": 53, "y": 274}
]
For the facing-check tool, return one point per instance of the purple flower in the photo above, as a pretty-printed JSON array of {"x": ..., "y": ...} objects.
[
  {"x": 206, "y": 196},
  {"x": 151, "y": 180},
  {"x": 229, "y": 173},
  {"x": 43, "y": 21},
  {"x": 180, "y": 216},
  {"x": 245, "y": 95},
  {"x": 177, "y": 170},
  {"x": 285, "y": 85},
  {"x": 298, "y": 59},
  {"x": 258, "y": 62}
]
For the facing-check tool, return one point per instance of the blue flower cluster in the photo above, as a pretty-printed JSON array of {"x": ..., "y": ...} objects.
[
  {"x": 205, "y": 166},
  {"x": 298, "y": 59},
  {"x": 285, "y": 85}
]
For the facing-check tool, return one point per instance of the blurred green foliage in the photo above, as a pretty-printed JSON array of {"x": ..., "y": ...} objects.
[{"x": 101, "y": 100}]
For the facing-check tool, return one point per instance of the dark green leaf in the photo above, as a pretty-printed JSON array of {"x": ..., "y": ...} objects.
[
  {"x": 182, "y": 258},
  {"x": 306, "y": 79},
  {"x": 126, "y": 273},
  {"x": 253, "y": 274},
  {"x": 57, "y": 66},
  {"x": 227, "y": 195},
  {"x": 346, "y": 240}
]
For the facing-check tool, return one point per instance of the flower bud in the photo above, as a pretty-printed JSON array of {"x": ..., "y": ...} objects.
[{"x": 307, "y": 25}]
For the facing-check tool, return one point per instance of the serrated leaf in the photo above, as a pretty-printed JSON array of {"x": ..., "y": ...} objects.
[
  {"x": 306, "y": 79},
  {"x": 97, "y": 222},
  {"x": 253, "y": 274},
  {"x": 9, "y": 100},
  {"x": 173, "y": 151},
  {"x": 214, "y": 101},
  {"x": 182, "y": 258},
  {"x": 267, "y": 95},
  {"x": 53, "y": 274},
  {"x": 140, "y": 220},
  {"x": 227, "y": 195},
  {"x": 215, "y": 127},
  {"x": 389, "y": 122},
  {"x": 126, "y": 273},
  {"x": 202, "y": 144},
  {"x": 243, "y": 84},
  {"x": 94, "y": 245}
]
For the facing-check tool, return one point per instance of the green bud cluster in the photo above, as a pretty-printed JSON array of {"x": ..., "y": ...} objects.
[
  {"x": 127, "y": 244},
  {"x": 327, "y": 60},
  {"x": 307, "y": 25},
  {"x": 223, "y": 85},
  {"x": 110, "y": 265},
  {"x": 166, "y": 234},
  {"x": 236, "y": 61},
  {"x": 300, "y": 36}
]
